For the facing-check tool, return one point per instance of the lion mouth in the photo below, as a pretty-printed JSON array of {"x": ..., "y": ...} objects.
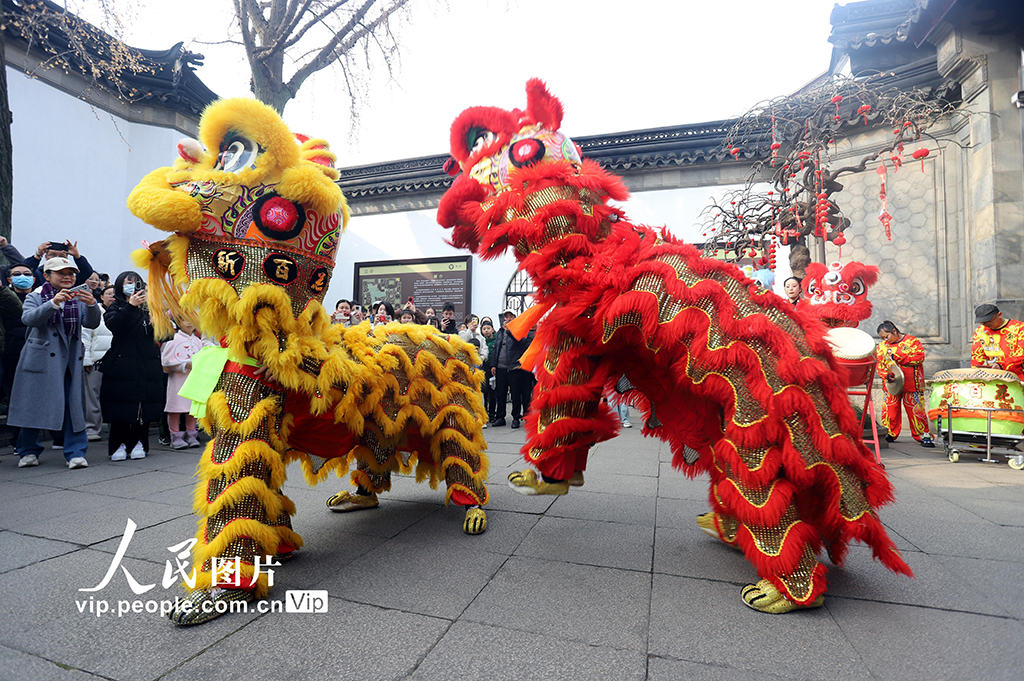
[{"x": 832, "y": 297}]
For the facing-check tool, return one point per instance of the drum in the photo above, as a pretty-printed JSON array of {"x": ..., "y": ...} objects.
[
  {"x": 977, "y": 387},
  {"x": 855, "y": 350}
]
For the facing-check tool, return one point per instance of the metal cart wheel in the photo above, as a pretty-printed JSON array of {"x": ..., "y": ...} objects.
[
  {"x": 1016, "y": 462},
  {"x": 954, "y": 455}
]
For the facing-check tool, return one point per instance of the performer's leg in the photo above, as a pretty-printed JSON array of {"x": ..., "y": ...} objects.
[
  {"x": 577, "y": 479},
  {"x": 464, "y": 468},
  {"x": 913, "y": 402},
  {"x": 243, "y": 514},
  {"x": 375, "y": 459},
  {"x": 892, "y": 419},
  {"x": 763, "y": 521},
  {"x": 568, "y": 417}
]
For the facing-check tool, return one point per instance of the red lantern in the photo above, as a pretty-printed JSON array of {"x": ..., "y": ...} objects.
[
  {"x": 839, "y": 240},
  {"x": 836, "y": 99},
  {"x": 863, "y": 111},
  {"x": 921, "y": 154}
]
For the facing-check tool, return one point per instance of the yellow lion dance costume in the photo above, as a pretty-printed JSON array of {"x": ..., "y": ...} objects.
[{"x": 256, "y": 219}]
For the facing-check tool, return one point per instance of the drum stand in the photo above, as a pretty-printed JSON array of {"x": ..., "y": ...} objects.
[
  {"x": 869, "y": 406},
  {"x": 1004, "y": 444}
]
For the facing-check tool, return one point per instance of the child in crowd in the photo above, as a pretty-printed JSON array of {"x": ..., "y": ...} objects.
[
  {"x": 406, "y": 316},
  {"x": 176, "y": 356}
]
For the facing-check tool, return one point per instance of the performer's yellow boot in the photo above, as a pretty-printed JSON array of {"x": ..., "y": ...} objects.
[
  {"x": 707, "y": 523},
  {"x": 527, "y": 482},
  {"x": 764, "y": 597},
  {"x": 475, "y": 522},
  {"x": 345, "y": 501},
  {"x": 577, "y": 479}
]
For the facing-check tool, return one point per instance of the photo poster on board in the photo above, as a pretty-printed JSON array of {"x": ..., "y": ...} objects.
[{"x": 431, "y": 282}]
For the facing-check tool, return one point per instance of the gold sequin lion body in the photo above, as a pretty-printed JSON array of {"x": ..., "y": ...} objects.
[{"x": 256, "y": 217}]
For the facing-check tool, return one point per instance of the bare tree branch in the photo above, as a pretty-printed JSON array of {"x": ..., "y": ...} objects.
[
  {"x": 793, "y": 141},
  {"x": 306, "y": 36}
]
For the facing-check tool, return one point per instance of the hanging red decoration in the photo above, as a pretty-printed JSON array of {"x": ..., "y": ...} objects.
[
  {"x": 835, "y": 100},
  {"x": 839, "y": 240},
  {"x": 884, "y": 216},
  {"x": 897, "y": 158},
  {"x": 921, "y": 154},
  {"x": 863, "y": 111}
]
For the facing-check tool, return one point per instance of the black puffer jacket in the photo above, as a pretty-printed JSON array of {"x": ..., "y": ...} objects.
[{"x": 133, "y": 378}]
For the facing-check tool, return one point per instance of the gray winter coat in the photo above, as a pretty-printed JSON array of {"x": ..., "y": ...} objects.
[{"x": 37, "y": 400}]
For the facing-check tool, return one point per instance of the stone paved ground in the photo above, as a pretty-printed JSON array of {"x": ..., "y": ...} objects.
[{"x": 613, "y": 581}]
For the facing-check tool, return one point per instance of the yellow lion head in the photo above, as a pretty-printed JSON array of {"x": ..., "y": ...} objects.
[{"x": 249, "y": 203}]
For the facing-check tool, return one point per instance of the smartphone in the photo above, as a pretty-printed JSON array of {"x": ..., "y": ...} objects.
[
  {"x": 357, "y": 308},
  {"x": 80, "y": 288}
]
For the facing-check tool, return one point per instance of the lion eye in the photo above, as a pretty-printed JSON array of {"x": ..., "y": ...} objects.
[
  {"x": 812, "y": 286},
  {"x": 478, "y": 138},
  {"x": 857, "y": 286},
  {"x": 237, "y": 152}
]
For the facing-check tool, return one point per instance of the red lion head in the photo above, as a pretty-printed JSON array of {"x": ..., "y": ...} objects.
[
  {"x": 838, "y": 294},
  {"x": 497, "y": 149}
]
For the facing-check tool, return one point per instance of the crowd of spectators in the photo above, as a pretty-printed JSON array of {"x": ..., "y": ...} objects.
[{"x": 77, "y": 352}]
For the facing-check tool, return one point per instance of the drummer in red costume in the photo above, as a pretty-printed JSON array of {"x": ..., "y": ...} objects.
[
  {"x": 902, "y": 352},
  {"x": 998, "y": 342}
]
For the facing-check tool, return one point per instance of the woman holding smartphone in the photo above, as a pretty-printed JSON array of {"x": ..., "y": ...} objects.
[{"x": 132, "y": 392}]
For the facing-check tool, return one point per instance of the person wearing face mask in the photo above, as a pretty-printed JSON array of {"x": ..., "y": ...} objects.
[
  {"x": 20, "y": 282},
  {"x": 10, "y": 309},
  {"x": 48, "y": 389},
  {"x": 132, "y": 391}
]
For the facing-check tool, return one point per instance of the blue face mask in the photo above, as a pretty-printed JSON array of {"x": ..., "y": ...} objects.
[
  {"x": 23, "y": 281},
  {"x": 129, "y": 289}
]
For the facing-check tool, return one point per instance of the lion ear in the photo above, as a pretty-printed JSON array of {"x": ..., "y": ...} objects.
[
  {"x": 869, "y": 274},
  {"x": 541, "y": 106}
]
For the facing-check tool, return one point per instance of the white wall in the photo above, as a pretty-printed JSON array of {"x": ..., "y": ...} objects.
[{"x": 73, "y": 172}]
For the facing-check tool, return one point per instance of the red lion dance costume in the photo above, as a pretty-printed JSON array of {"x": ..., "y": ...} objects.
[
  {"x": 743, "y": 388},
  {"x": 838, "y": 294}
]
